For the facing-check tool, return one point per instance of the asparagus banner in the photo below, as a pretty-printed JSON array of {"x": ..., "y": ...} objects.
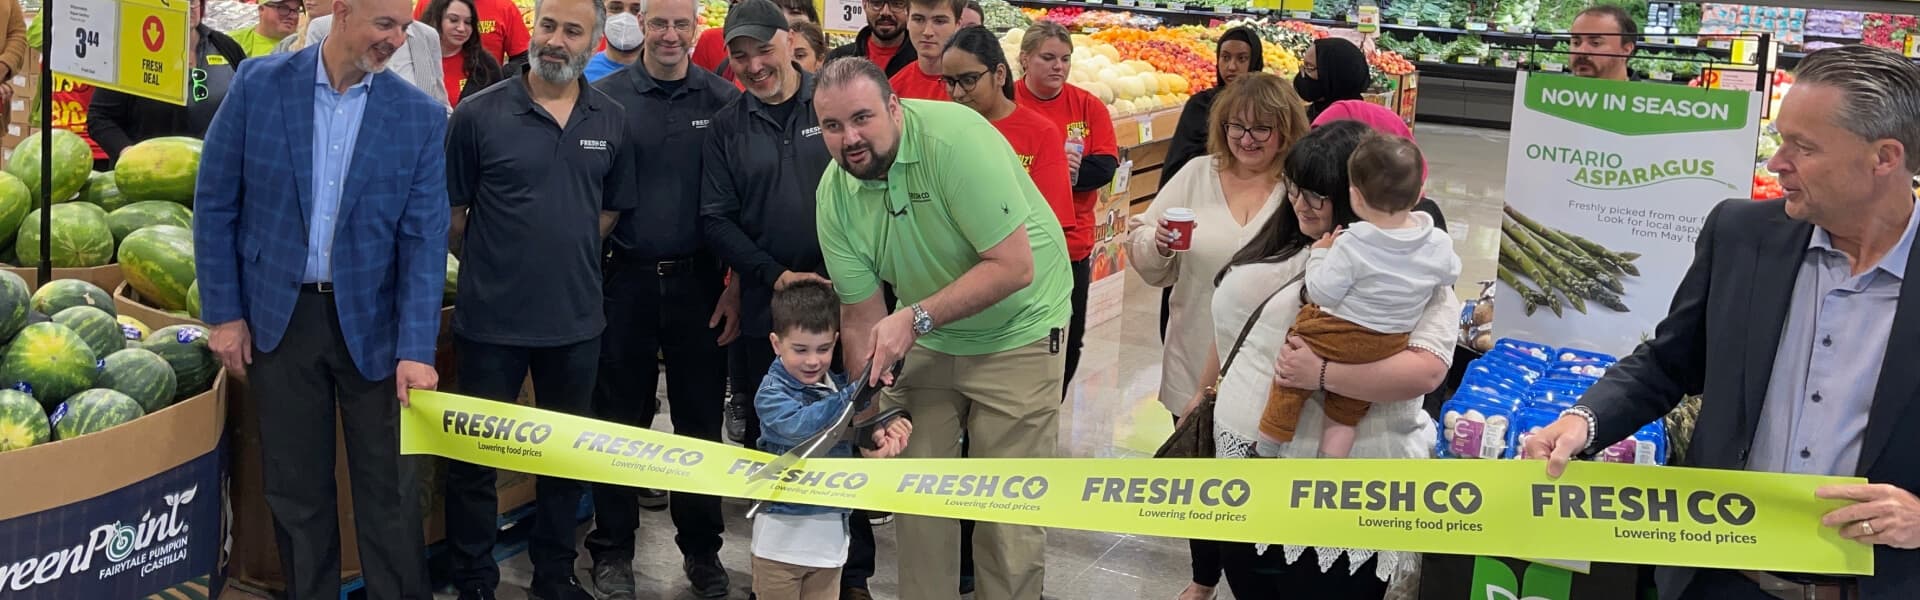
[{"x": 1608, "y": 185}]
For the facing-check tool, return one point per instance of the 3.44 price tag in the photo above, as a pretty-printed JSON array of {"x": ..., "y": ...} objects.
[{"x": 134, "y": 46}]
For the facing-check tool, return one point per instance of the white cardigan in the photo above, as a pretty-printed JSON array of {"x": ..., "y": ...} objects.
[{"x": 1216, "y": 236}]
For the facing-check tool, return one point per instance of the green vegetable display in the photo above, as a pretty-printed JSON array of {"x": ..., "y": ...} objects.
[{"x": 1565, "y": 269}]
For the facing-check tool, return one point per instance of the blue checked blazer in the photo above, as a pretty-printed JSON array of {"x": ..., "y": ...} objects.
[{"x": 255, "y": 194}]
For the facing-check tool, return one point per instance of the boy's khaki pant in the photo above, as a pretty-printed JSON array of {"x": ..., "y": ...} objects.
[
  {"x": 1335, "y": 340},
  {"x": 775, "y": 580},
  {"x": 1006, "y": 404}
]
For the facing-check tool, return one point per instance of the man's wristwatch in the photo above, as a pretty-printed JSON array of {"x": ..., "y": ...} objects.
[{"x": 922, "y": 321}]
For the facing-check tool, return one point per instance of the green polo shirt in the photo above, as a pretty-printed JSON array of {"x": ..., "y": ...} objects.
[
  {"x": 955, "y": 190},
  {"x": 251, "y": 41}
]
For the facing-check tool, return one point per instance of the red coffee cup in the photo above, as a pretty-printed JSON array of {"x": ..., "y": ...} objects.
[{"x": 1180, "y": 222}]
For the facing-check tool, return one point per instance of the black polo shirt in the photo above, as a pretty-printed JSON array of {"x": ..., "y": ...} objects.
[
  {"x": 667, "y": 129},
  {"x": 757, "y": 203},
  {"x": 530, "y": 264}
]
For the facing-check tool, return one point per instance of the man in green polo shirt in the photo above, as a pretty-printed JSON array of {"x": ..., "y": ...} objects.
[{"x": 929, "y": 198}]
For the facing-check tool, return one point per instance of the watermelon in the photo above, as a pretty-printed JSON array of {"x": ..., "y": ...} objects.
[
  {"x": 99, "y": 329},
  {"x": 158, "y": 263},
  {"x": 185, "y": 349},
  {"x": 104, "y": 191},
  {"x": 15, "y": 201},
  {"x": 50, "y": 361},
  {"x": 133, "y": 329},
  {"x": 134, "y": 216},
  {"x": 81, "y": 237},
  {"x": 22, "y": 422},
  {"x": 141, "y": 375},
  {"x": 453, "y": 281},
  {"x": 93, "y": 411},
  {"x": 160, "y": 169},
  {"x": 14, "y": 304},
  {"x": 193, "y": 299},
  {"x": 72, "y": 162},
  {"x": 61, "y": 294}
]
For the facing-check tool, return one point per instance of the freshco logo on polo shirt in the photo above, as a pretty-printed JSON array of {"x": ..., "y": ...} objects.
[{"x": 600, "y": 145}]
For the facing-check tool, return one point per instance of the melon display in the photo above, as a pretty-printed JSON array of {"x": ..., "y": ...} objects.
[
  {"x": 15, "y": 201},
  {"x": 146, "y": 213},
  {"x": 81, "y": 237},
  {"x": 141, "y": 375},
  {"x": 49, "y": 361},
  {"x": 15, "y": 303},
  {"x": 104, "y": 191},
  {"x": 72, "y": 163},
  {"x": 159, "y": 169},
  {"x": 99, "y": 329},
  {"x": 193, "y": 299},
  {"x": 185, "y": 349},
  {"x": 22, "y": 422},
  {"x": 158, "y": 262},
  {"x": 61, "y": 294},
  {"x": 93, "y": 411}
]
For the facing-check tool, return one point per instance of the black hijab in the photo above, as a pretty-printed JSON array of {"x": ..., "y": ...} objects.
[
  {"x": 1190, "y": 136},
  {"x": 1256, "y": 60},
  {"x": 1344, "y": 75}
]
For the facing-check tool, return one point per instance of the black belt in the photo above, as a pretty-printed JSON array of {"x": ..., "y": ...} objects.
[
  {"x": 1799, "y": 588},
  {"x": 324, "y": 287},
  {"x": 662, "y": 268}
]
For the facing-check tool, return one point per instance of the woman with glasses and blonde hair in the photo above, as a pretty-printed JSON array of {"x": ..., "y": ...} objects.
[{"x": 1230, "y": 193}]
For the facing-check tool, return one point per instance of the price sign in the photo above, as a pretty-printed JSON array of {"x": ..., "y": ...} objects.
[
  {"x": 845, "y": 17},
  {"x": 1476, "y": 26},
  {"x": 1122, "y": 180},
  {"x": 1407, "y": 22},
  {"x": 1730, "y": 79},
  {"x": 1660, "y": 76},
  {"x": 1552, "y": 67},
  {"x": 134, "y": 46},
  {"x": 1469, "y": 60},
  {"x": 1146, "y": 129}
]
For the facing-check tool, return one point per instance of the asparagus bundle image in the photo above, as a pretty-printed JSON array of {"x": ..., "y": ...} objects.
[{"x": 1566, "y": 270}]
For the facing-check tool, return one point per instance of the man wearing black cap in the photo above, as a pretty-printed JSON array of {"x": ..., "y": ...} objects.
[
  {"x": 762, "y": 162},
  {"x": 884, "y": 40}
]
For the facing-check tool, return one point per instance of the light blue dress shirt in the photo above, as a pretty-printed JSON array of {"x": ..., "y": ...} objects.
[
  {"x": 1814, "y": 417},
  {"x": 336, "y": 126}
]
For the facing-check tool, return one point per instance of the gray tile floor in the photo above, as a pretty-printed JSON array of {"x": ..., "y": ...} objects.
[{"x": 1112, "y": 412}]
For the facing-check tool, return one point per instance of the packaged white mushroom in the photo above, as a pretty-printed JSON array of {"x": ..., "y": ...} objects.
[{"x": 1475, "y": 425}]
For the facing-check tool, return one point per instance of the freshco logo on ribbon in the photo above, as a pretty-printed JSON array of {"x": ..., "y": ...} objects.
[{"x": 1598, "y": 512}]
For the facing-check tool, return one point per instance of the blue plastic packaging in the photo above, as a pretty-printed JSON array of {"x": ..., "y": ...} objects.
[
  {"x": 1648, "y": 446},
  {"x": 1476, "y": 425},
  {"x": 1539, "y": 352},
  {"x": 1530, "y": 420},
  {"x": 1578, "y": 355}
]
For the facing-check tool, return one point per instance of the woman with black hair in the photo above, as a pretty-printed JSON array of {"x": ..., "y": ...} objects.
[
  {"x": 1266, "y": 272},
  {"x": 977, "y": 75},
  {"x": 467, "y": 65},
  {"x": 1333, "y": 70},
  {"x": 1238, "y": 53}
]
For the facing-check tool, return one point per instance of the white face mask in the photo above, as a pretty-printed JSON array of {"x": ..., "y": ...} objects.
[{"x": 623, "y": 32}]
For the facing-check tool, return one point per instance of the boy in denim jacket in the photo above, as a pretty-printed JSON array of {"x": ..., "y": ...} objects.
[{"x": 798, "y": 549}]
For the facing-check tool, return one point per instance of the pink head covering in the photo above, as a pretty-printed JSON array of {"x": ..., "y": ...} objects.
[{"x": 1373, "y": 115}]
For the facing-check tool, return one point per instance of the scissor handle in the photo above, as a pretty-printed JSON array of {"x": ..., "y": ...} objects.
[{"x": 863, "y": 430}]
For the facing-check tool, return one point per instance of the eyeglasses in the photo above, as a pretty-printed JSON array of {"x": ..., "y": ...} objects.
[
  {"x": 1311, "y": 199},
  {"x": 898, "y": 5},
  {"x": 1260, "y": 133},
  {"x": 661, "y": 26},
  {"x": 288, "y": 8},
  {"x": 964, "y": 81}
]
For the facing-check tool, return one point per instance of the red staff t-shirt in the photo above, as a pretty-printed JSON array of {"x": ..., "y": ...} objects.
[
  {"x": 710, "y": 50},
  {"x": 1077, "y": 112},
  {"x": 1042, "y": 148},
  {"x": 454, "y": 67},
  {"x": 911, "y": 82},
  {"x": 501, "y": 27},
  {"x": 883, "y": 55}
]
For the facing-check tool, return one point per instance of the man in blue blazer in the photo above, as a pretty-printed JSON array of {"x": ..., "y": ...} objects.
[{"x": 320, "y": 240}]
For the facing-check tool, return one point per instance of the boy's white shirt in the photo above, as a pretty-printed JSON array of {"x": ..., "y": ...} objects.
[{"x": 1382, "y": 279}]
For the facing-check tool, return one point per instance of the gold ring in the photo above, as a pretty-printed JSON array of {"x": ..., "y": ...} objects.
[{"x": 1867, "y": 526}]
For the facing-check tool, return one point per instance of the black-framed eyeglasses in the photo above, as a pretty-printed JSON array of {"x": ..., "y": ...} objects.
[
  {"x": 1299, "y": 195},
  {"x": 288, "y": 8},
  {"x": 899, "y": 5},
  {"x": 1259, "y": 133},
  {"x": 964, "y": 81}
]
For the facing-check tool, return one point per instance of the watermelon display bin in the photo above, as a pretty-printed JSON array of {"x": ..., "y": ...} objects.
[
  {"x": 128, "y": 511},
  {"x": 106, "y": 276}
]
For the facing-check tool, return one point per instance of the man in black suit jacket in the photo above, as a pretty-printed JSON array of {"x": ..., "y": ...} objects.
[{"x": 1783, "y": 324}]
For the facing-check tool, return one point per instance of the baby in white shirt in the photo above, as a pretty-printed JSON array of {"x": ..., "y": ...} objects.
[{"x": 1366, "y": 286}]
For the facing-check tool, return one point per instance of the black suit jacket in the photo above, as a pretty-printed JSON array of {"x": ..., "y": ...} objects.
[{"x": 1719, "y": 340}]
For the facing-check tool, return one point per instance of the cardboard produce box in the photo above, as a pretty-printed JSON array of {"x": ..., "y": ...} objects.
[
  {"x": 122, "y": 513},
  {"x": 108, "y": 278}
]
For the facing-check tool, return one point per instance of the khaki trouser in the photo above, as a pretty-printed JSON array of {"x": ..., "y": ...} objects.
[
  {"x": 1007, "y": 404},
  {"x": 775, "y": 580},
  {"x": 1335, "y": 340}
]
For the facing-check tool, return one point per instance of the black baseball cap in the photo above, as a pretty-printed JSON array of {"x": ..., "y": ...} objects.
[{"x": 757, "y": 19}]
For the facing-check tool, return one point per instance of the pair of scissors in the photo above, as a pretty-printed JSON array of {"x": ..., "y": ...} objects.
[{"x": 843, "y": 426}]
